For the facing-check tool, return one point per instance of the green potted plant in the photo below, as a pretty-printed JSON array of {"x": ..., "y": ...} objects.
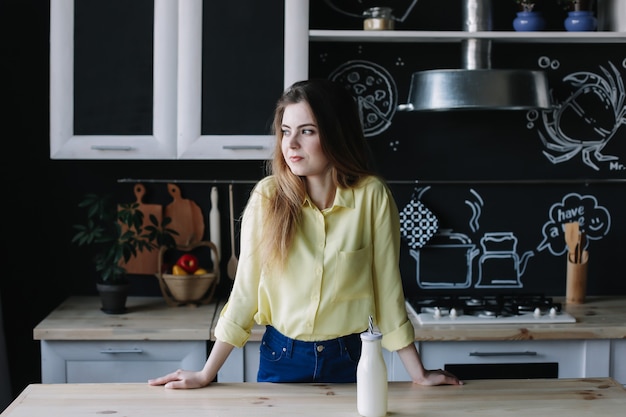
[
  {"x": 526, "y": 5},
  {"x": 116, "y": 233},
  {"x": 576, "y": 5}
]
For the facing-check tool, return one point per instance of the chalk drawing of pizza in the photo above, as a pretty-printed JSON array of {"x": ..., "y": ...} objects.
[{"x": 374, "y": 90}]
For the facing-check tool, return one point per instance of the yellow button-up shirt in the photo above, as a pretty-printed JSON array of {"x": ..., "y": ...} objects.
[{"x": 343, "y": 267}]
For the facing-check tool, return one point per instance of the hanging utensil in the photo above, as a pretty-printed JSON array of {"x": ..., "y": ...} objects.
[
  {"x": 571, "y": 239},
  {"x": 231, "y": 268},
  {"x": 214, "y": 227},
  {"x": 145, "y": 261},
  {"x": 186, "y": 217},
  {"x": 580, "y": 247}
]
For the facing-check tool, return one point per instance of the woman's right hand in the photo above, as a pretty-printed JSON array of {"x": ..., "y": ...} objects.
[{"x": 181, "y": 379}]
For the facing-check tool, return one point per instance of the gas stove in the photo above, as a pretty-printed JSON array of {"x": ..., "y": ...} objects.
[{"x": 487, "y": 309}]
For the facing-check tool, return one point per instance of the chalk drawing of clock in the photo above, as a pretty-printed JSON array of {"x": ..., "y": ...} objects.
[{"x": 375, "y": 92}]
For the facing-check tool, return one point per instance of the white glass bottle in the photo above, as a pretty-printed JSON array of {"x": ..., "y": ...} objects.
[{"x": 371, "y": 377}]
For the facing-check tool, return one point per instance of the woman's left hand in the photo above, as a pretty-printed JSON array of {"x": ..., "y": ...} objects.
[
  {"x": 413, "y": 364},
  {"x": 439, "y": 377}
]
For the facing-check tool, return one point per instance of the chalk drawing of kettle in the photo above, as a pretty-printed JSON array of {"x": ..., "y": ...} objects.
[{"x": 499, "y": 266}]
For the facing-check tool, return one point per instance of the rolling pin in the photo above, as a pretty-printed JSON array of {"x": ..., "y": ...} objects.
[{"x": 214, "y": 226}]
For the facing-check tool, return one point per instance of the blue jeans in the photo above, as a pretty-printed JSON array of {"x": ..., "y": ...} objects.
[{"x": 283, "y": 359}]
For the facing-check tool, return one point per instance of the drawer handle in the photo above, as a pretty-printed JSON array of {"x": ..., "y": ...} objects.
[
  {"x": 111, "y": 148},
  {"x": 134, "y": 350},
  {"x": 243, "y": 147},
  {"x": 525, "y": 353}
]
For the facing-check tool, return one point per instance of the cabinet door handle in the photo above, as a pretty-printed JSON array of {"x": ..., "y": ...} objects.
[
  {"x": 244, "y": 147},
  {"x": 524, "y": 353},
  {"x": 134, "y": 350}
]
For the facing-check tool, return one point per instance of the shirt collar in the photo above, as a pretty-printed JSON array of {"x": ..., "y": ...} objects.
[{"x": 344, "y": 197}]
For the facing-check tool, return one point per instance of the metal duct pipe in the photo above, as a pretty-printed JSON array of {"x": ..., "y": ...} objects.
[
  {"x": 476, "y": 18},
  {"x": 477, "y": 85}
]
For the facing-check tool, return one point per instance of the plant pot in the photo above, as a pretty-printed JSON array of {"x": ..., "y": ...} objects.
[
  {"x": 580, "y": 21},
  {"x": 113, "y": 297},
  {"x": 529, "y": 22}
]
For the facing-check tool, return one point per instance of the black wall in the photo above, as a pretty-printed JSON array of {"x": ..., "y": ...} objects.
[{"x": 455, "y": 163}]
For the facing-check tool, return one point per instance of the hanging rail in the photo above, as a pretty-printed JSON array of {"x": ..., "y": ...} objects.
[{"x": 582, "y": 181}]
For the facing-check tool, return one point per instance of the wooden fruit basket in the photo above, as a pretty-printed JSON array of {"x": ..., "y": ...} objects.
[{"x": 188, "y": 289}]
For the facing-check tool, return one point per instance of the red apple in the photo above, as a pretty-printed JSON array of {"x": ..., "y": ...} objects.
[{"x": 188, "y": 262}]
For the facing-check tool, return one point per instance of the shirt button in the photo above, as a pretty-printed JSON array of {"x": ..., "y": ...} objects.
[{"x": 320, "y": 348}]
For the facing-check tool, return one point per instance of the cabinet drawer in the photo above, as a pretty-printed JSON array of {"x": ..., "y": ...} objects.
[
  {"x": 117, "y": 361},
  {"x": 440, "y": 353},
  {"x": 575, "y": 358}
]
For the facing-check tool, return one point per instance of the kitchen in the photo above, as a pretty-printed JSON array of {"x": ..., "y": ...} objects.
[{"x": 29, "y": 298}]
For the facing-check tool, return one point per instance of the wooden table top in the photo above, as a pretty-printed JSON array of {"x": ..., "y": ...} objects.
[{"x": 485, "y": 398}]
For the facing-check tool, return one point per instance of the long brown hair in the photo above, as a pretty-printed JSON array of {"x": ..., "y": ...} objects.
[{"x": 343, "y": 143}]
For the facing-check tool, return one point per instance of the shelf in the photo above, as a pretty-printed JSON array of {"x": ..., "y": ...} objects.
[{"x": 317, "y": 35}]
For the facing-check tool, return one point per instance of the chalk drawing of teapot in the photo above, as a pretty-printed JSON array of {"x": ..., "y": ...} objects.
[{"x": 499, "y": 266}]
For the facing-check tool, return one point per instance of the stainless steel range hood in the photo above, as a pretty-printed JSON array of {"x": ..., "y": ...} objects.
[{"x": 477, "y": 85}]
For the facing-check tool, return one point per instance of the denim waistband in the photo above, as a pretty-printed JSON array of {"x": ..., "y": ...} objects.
[{"x": 289, "y": 344}]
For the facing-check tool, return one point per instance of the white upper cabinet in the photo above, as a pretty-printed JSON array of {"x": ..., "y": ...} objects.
[
  {"x": 234, "y": 62},
  {"x": 71, "y": 137},
  {"x": 171, "y": 79}
]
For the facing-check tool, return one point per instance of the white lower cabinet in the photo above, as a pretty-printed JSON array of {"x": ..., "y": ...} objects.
[
  {"x": 117, "y": 361},
  {"x": 573, "y": 358},
  {"x": 242, "y": 364},
  {"x": 618, "y": 360}
]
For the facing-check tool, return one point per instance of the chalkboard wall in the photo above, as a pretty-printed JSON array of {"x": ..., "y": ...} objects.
[{"x": 464, "y": 180}]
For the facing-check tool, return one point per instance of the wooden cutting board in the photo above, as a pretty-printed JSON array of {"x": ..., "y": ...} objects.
[
  {"x": 146, "y": 261},
  {"x": 187, "y": 218}
]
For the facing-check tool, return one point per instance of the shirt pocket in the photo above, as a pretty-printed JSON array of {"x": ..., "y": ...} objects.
[{"x": 353, "y": 280}]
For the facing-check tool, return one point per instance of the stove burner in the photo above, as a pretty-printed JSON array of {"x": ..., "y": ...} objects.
[
  {"x": 487, "y": 314},
  {"x": 487, "y": 306},
  {"x": 474, "y": 302},
  {"x": 492, "y": 309}
]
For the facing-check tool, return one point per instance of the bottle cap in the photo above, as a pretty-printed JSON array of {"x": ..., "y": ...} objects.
[{"x": 369, "y": 336}]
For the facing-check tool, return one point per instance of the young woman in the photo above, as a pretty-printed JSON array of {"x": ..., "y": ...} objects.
[{"x": 320, "y": 244}]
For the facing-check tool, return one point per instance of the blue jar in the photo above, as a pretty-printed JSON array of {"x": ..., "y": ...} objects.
[
  {"x": 529, "y": 22},
  {"x": 580, "y": 21}
]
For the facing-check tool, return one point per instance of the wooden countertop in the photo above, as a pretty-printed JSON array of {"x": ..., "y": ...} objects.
[
  {"x": 498, "y": 398},
  {"x": 149, "y": 318},
  {"x": 598, "y": 318}
]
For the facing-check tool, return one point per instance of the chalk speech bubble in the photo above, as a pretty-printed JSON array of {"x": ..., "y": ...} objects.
[{"x": 592, "y": 218}]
